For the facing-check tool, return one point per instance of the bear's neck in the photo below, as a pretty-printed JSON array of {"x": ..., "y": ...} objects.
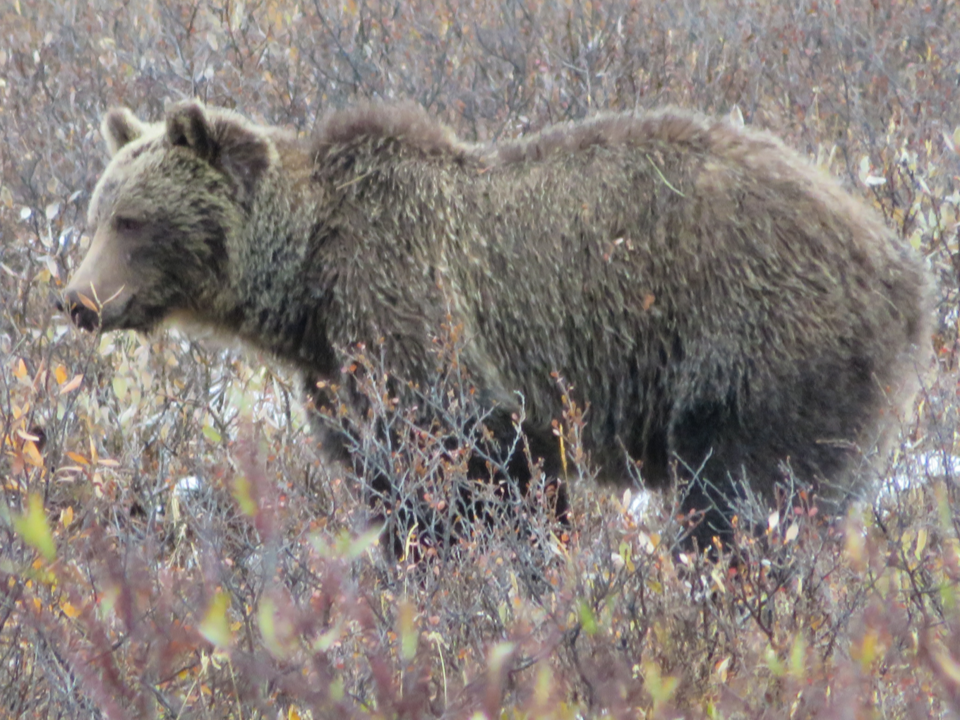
[{"x": 277, "y": 306}]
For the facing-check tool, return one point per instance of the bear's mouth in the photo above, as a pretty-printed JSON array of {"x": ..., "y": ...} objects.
[
  {"x": 120, "y": 314},
  {"x": 85, "y": 313}
]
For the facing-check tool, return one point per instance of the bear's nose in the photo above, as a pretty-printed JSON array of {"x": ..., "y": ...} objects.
[{"x": 82, "y": 316}]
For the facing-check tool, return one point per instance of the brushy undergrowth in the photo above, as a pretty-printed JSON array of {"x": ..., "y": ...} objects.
[{"x": 173, "y": 545}]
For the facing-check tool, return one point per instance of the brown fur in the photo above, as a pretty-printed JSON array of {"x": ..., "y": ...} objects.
[{"x": 713, "y": 297}]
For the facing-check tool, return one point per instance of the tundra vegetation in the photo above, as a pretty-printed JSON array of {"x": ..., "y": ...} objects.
[{"x": 174, "y": 545}]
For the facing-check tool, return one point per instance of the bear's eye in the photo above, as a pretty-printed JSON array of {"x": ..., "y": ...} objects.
[{"x": 127, "y": 224}]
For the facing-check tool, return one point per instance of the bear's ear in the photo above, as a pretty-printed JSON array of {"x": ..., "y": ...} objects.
[
  {"x": 120, "y": 127},
  {"x": 187, "y": 126},
  {"x": 221, "y": 138}
]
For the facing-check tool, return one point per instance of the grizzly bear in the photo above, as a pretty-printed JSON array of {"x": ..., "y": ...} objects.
[{"x": 725, "y": 311}]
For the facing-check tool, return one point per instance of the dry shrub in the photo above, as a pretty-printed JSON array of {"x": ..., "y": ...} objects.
[{"x": 174, "y": 545}]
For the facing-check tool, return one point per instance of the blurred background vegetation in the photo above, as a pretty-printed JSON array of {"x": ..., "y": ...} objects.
[{"x": 173, "y": 545}]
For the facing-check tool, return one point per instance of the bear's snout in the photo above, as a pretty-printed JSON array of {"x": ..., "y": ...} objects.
[{"x": 84, "y": 317}]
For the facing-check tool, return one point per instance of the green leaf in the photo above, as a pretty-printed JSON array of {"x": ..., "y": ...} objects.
[
  {"x": 408, "y": 631},
  {"x": 661, "y": 688},
  {"x": 588, "y": 619},
  {"x": 120, "y": 387},
  {"x": 266, "y": 615},
  {"x": 211, "y": 434},
  {"x": 243, "y": 496},
  {"x": 33, "y": 528},
  {"x": 798, "y": 657}
]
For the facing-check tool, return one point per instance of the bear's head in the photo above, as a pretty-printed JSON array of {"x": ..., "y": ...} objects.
[{"x": 163, "y": 216}]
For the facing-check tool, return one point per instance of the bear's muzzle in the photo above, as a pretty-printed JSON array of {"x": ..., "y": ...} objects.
[{"x": 81, "y": 309}]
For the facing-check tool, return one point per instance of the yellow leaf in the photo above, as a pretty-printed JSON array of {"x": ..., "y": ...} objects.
[
  {"x": 948, "y": 665},
  {"x": 921, "y": 543},
  {"x": 66, "y": 516},
  {"x": 215, "y": 626},
  {"x": 60, "y": 374},
  {"x": 868, "y": 649},
  {"x": 20, "y": 372},
  {"x": 72, "y": 385},
  {"x": 89, "y": 304},
  {"x": 32, "y": 527},
  {"x": 77, "y": 458},
  {"x": 69, "y": 610},
  {"x": 32, "y": 455},
  {"x": 28, "y": 436}
]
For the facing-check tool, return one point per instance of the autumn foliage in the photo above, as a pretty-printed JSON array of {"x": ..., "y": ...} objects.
[{"x": 173, "y": 545}]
